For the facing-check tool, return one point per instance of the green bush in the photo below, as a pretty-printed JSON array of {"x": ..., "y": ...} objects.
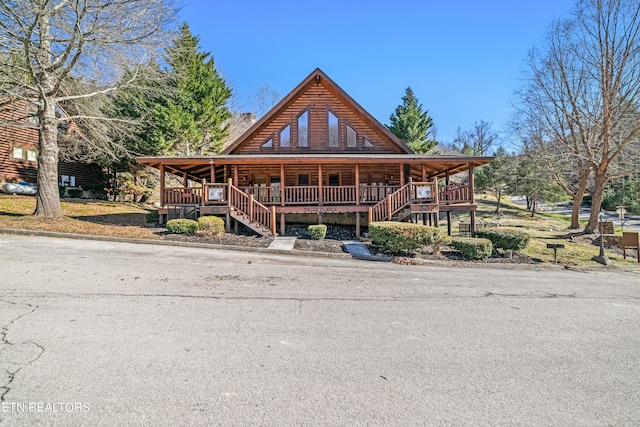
[
  {"x": 62, "y": 190},
  {"x": 402, "y": 237},
  {"x": 75, "y": 193},
  {"x": 505, "y": 239},
  {"x": 211, "y": 225},
  {"x": 152, "y": 216},
  {"x": 182, "y": 226},
  {"x": 473, "y": 248},
  {"x": 317, "y": 232}
]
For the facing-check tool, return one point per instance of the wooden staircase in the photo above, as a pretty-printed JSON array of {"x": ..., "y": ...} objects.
[
  {"x": 253, "y": 214},
  {"x": 397, "y": 205},
  {"x": 244, "y": 219}
]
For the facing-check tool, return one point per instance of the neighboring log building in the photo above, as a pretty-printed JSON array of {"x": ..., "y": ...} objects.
[
  {"x": 19, "y": 149},
  {"x": 320, "y": 154}
]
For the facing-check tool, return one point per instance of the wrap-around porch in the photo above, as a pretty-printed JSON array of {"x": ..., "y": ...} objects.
[{"x": 263, "y": 192}]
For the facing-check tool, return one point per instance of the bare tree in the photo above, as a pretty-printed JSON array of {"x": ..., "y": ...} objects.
[
  {"x": 477, "y": 141},
  {"x": 582, "y": 94},
  {"x": 62, "y": 40},
  {"x": 263, "y": 99}
]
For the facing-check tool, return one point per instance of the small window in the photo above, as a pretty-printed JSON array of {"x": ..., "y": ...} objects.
[
  {"x": 352, "y": 137},
  {"x": 334, "y": 179},
  {"x": 303, "y": 130},
  {"x": 333, "y": 129},
  {"x": 268, "y": 143},
  {"x": 303, "y": 179},
  {"x": 285, "y": 137},
  {"x": 18, "y": 152},
  {"x": 67, "y": 181},
  {"x": 32, "y": 155},
  {"x": 367, "y": 143}
]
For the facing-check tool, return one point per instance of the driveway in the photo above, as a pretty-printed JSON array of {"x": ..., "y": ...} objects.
[
  {"x": 630, "y": 223},
  {"x": 104, "y": 333}
]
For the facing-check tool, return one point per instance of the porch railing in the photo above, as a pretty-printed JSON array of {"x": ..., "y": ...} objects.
[
  {"x": 183, "y": 196},
  {"x": 454, "y": 193},
  {"x": 301, "y": 195},
  {"x": 339, "y": 195},
  {"x": 218, "y": 194}
]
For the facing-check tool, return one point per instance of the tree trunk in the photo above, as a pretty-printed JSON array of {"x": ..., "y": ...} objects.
[
  {"x": 533, "y": 207},
  {"x": 48, "y": 196},
  {"x": 577, "y": 201},
  {"x": 499, "y": 196},
  {"x": 596, "y": 199}
]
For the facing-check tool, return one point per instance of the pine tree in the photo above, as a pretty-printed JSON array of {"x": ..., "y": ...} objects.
[
  {"x": 194, "y": 120},
  {"x": 412, "y": 125}
]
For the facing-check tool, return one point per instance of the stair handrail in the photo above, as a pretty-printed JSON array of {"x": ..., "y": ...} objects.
[
  {"x": 393, "y": 203},
  {"x": 255, "y": 211}
]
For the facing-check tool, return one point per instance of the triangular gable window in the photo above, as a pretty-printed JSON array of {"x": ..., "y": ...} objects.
[
  {"x": 268, "y": 143},
  {"x": 285, "y": 137},
  {"x": 333, "y": 129},
  {"x": 352, "y": 137},
  {"x": 367, "y": 143}
]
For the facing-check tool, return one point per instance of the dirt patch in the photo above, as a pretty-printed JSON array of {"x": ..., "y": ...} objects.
[{"x": 325, "y": 245}]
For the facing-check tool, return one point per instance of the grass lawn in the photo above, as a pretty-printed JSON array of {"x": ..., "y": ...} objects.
[
  {"x": 95, "y": 217},
  {"x": 543, "y": 228}
]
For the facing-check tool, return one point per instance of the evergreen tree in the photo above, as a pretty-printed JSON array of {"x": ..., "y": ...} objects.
[
  {"x": 194, "y": 120},
  {"x": 412, "y": 125}
]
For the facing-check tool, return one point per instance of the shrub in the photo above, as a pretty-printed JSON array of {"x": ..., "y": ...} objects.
[
  {"x": 317, "y": 232},
  {"x": 505, "y": 239},
  {"x": 62, "y": 190},
  {"x": 402, "y": 237},
  {"x": 211, "y": 225},
  {"x": 182, "y": 226},
  {"x": 152, "y": 216},
  {"x": 473, "y": 248},
  {"x": 75, "y": 193}
]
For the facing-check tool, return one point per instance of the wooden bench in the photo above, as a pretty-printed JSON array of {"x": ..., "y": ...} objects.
[{"x": 630, "y": 240}]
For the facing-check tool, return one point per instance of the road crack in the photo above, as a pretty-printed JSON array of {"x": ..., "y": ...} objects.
[{"x": 24, "y": 353}]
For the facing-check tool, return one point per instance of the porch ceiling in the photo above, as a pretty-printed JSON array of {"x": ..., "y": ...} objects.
[{"x": 199, "y": 167}]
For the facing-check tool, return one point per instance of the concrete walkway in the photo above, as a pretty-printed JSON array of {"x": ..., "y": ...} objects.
[{"x": 283, "y": 243}]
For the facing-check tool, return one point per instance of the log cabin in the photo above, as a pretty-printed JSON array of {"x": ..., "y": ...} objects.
[
  {"x": 19, "y": 138},
  {"x": 317, "y": 155}
]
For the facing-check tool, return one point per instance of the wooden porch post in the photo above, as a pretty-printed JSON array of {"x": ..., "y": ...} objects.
[
  {"x": 358, "y": 195},
  {"x": 184, "y": 177},
  {"x": 473, "y": 200},
  {"x": 282, "y": 201},
  {"x": 235, "y": 175},
  {"x": 424, "y": 172},
  {"x": 320, "y": 188},
  {"x": 273, "y": 220},
  {"x": 204, "y": 195},
  {"x": 212, "y": 173},
  {"x": 162, "y": 185},
  {"x": 401, "y": 174},
  {"x": 282, "y": 224}
]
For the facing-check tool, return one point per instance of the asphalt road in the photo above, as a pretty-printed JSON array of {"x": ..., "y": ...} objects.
[{"x": 97, "y": 333}]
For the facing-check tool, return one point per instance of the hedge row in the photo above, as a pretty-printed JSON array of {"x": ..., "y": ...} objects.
[
  {"x": 317, "y": 232},
  {"x": 505, "y": 239},
  {"x": 401, "y": 237},
  {"x": 472, "y": 247}
]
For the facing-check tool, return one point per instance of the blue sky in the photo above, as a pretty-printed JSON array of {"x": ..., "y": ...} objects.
[{"x": 462, "y": 58}]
